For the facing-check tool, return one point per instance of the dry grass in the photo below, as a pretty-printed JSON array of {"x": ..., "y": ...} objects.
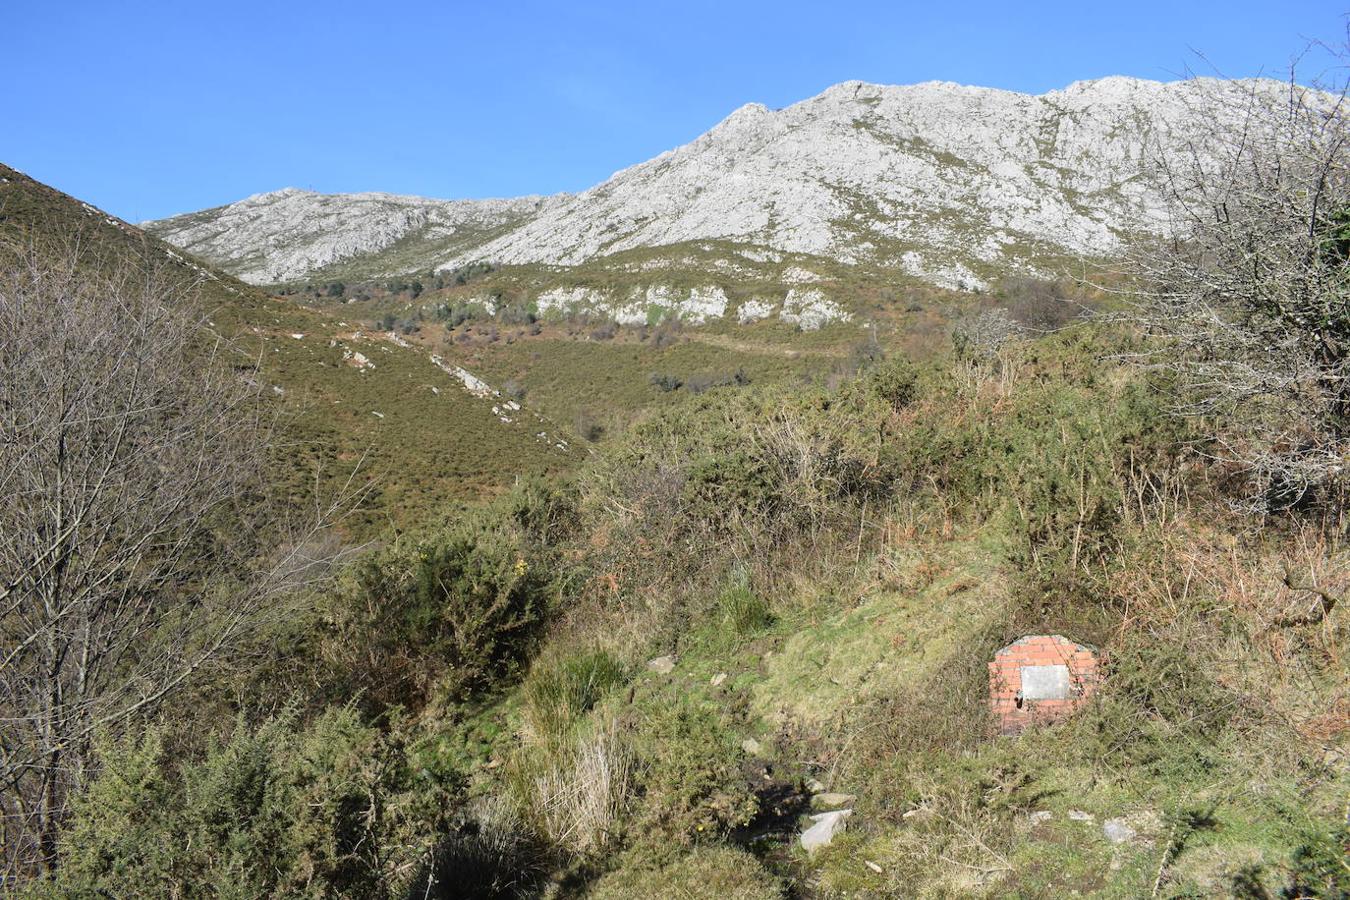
[{"x": 580, "y": 794}]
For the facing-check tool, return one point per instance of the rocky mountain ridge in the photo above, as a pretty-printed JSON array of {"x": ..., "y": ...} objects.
[{"x": 948, "y": 183}]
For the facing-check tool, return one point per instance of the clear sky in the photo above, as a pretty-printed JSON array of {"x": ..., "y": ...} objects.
[{"x": 148, "y": 109}]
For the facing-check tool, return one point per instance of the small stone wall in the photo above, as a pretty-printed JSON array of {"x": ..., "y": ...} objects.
[{"x": 1039, "y": 679}]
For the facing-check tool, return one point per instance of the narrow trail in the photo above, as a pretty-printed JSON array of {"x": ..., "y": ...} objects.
[{"x": 727, "y": 342}]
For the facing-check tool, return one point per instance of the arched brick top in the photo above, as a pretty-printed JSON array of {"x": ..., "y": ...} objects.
[{"x": 1039, "y": 678}]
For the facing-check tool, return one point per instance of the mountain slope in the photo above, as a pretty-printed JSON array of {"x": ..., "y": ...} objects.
[
  {"x": 425, "y": 434},
  {"x": 948, "y": 183},
  {"x": 287, "y": 234}
]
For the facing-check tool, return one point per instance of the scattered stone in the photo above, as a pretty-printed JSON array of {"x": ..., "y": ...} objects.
[
  {"x": 873, "y": 866},
  {"x": 832, "y": 799},
  {"x": 826, "y": 826},
  {"x": 920, "y": 813},
  {"x": 378, "y": 415},
  {"x": 814, "y": 786},
  {"x": 357, "y": 360},
  {"x": 751, "y": 746},
  {"x": 1039, "y": 816},
  {"x": 1079, "y": 816},
  {"x": 718, "y": 679},
  {"x": 662, "y": 665},
  {"x": 1118, "y": 831}
]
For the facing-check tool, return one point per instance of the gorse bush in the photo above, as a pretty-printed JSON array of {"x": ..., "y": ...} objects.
[
  {"x": 895, "y": 382},
  {"x": 745, "y": 471},
  {"x": 332, "y": 808},
  {"x": 453, "y": 611},
  {"x": 545, "y": 512},
  {"x": 691, "y": 788},
  {"x": 1039, "y": 305},
  {"x": 724, "y": 872},
  {"x": 488, "y": 853}
]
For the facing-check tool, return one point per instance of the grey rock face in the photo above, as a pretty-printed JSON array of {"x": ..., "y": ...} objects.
[{"x": 936, "y": 180}]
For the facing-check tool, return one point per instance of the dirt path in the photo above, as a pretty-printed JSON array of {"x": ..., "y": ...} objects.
[{"x": 727, "y": 342}]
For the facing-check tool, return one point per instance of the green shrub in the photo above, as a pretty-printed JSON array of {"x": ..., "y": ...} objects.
[
  {"x": 487, "y": 855},
  {"x": 1159, "y": 710},
  {"x": 1321, "y": 863},
  {"x": 545, "y": 511},
  {"x": 329, "y": 809},
  {"x": 459, "y": 609},
  {"x": 689, "y": 778},
  {"x": 745, "y": 470},
  {"x": 895, "y": 382}
]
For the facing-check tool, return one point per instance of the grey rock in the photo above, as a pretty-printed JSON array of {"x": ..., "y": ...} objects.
[
  {"x": 826, "y": 826},
  {"x": 1039, "y": 816},
  {"x": 873, "y": 866},
  {"x": 1079, "y": 816},
  {"x": 662, "y": 665},
  {"x": 718, "y": 679},
  {"x": 1118, "y": 831},
  {"x": 751, "y": 746},
  {"x": 814, "y": 786}
]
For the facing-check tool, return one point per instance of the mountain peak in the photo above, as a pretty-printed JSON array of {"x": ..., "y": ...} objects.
[
  {"x": 950, "y": 183},
  {"x": 280, "y": 194}
]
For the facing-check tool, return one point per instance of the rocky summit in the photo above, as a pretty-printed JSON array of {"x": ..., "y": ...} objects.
[{"x": 944, "y": 182}]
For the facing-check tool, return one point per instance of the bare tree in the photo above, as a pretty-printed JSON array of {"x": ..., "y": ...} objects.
[
  {"x": 1247, "y": 278},
  {"x": 132, "y": 549}
]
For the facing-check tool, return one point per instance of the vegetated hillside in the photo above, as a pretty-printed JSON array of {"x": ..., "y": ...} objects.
[
  {"x": 766, "y": 602},
  {"x": 351, "y": 400},
  {"x": 777, "y": 595},
  {"x": 951, "y": 184},
  {"x": 584, "y": 367}
]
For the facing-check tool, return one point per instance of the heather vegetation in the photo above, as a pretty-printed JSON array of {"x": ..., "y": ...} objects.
[
  {"x": 828, "y": 570},
  {"x": 636, "y": 675}
]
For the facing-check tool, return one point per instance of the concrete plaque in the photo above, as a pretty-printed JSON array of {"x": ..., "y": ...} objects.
[{"x": 1045, "y": 682}]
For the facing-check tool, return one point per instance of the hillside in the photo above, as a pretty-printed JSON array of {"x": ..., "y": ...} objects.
[
  {"x": 949, "y": 184},
  {"x": 763, "y": 523},
  {"x": 352, "y": 399}
]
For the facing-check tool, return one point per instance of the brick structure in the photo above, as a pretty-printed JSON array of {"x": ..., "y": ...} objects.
[{"x": 1038, "y": 679}]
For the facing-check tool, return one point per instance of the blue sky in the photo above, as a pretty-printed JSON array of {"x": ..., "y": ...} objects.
[{"x": 148, "y": 109}]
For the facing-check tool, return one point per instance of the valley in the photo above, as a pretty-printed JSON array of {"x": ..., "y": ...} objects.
[{"x": 657, "y": 539}]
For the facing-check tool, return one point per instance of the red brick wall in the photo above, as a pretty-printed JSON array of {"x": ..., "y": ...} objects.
[{"x": 1011, "y": 713}]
